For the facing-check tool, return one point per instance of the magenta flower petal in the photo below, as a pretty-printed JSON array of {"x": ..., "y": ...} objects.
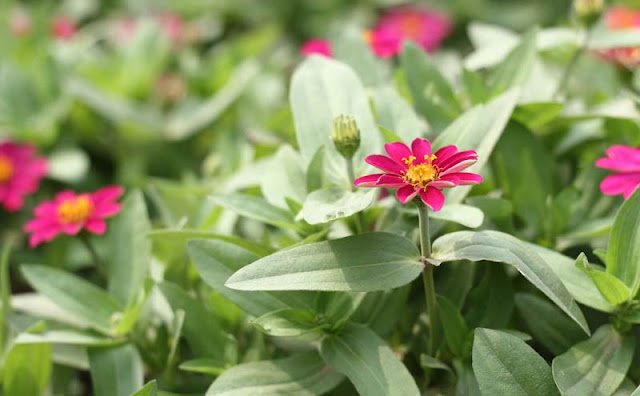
[
  {"x": 316, "y": 46},
  {"x": 406, "y": 193},
  {"x": 96, "y": 226},
  {"x": 109, "y": 193},
  {"x": 368, "y": 180},
  {"x": 398, "y": 151},
  {"x": 390, "y": 181},
  {"x": 620, "y": 183},
  {"x": 444, "y": 153},
  {"x": 626, "y": 160},
  {"x": 385, "y": 163},
  {"x": 459, "y": 166},
  {"x": 433, "y": 198},
  {"x": 456, "y": 159},
  {"x": 421, "y": 149},
  {"x": 465, "y": 178},
  {"x": 20, "y": 174}
]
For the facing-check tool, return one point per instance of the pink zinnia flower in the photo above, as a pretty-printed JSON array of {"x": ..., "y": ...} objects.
[
  {"x": 316, "y": 46},
  {"x": 427, "y": 29},
  {"x": 69, "y": 213},
  {"x": 625, "y": 160},
  {"x": 416, "y": 171},
  {"x": 63, "y": 27},
  {"x": 20, "y": 173}
]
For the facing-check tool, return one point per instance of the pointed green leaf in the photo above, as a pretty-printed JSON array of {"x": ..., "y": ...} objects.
[
  {"x": 361, "y": 355},
  {"x": 453, "y": 325},
  {"x": 256, "y": 208},
  {"x": 115, "y": 370},
  {"x": 516, "y": 67},
  {"x": 596, "y": 366},
  {"x": 332, "y": 203},
  {"x": 26, "y": 369},
  {"x": 623, "y": 251},
  {"x": 366, "y": 262},
  {"x": 505, "y": 365},
  {"x": 611, "y": 288},
  {"x": 150, "y": 389},
  {"x": 287, "y": 323}
]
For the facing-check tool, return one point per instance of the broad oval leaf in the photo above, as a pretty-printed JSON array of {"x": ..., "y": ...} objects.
[
  {"x": 369, "y": 363},
  {"x": 74, "y": 295},
  {"x": 596, "y": 366},
  {"x": 304, "y": 374},
  {"x": 366, "y": 262},
  {"x": 115, "y": 370},
  {"x": 506, "y": 365},
  {"x": 623, "y": 251},
  {"x": 328, "y": 204},
  {"x": 501, "y": 247},
  {"x": 466, "y": 215}
]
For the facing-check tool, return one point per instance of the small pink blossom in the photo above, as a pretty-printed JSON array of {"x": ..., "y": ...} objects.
[
  {"x": 69, "y": 213},
  {"x": 63, "y": 27},
  {"x": 316, "y": 46},
  {"x": 427, "y": 29},
  {"x": 170, "y": 24},
  {"x": 20, "y": 173},
  {"x": 416, "y": 171},
  {"x": 19, "y": 23},
  {"x": 625, "y": 160},
  {"x": 621, "y": 18}
]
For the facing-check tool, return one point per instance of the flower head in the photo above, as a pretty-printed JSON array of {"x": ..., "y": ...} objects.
[
  {"x": 69, "y": 213},
  {"x": 345, "y": 135},
  {"x": 625, "y": 160},
  {"x": 316, "y": 46},
  {"x": 417, "y": 171},
  {"x": 63, "y": 28},
  {"x": 20, "y": 173},
  {"x": 427, "y": 29},
  {"x": 618, "y": 18}
]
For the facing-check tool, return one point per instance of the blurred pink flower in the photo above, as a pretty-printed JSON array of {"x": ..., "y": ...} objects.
[
  {"x": 63, "y": 27},
  {"x": 416, "y": 171},
  {"x": 20, "y": 173},
  {"x": 625, "y": 160},
  {"x": 69, "y": 213},
  {"x": 621, "y": 18},
  {"x": 170, "y": 24},
  {"x": 316, "y": 46},
  {"x": 19, "y": 23},
  {"x": 427, "y": 29}
]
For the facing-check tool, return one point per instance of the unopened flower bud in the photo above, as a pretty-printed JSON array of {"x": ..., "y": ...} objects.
[
  {"x": 345, "y": 135},
  {"x": 588, "y": 11}
]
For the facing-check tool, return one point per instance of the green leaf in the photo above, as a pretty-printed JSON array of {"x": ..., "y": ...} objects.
[
  {"x": 432, "y": 95},
  {"x": 204, "y": 366},
  {"x": 322, "y": 89},
  {"x": 125, "y": 322},
  {"x": 332, "y": 203},
  {"x": 602, "y": 38},
  {"x": 535, "y": 115},
  {"x": 505, "y": 365},
  {"x": 26, "y": 369},
  {"x": 369, "y": 363},
  {"x": 366, "y": 262},
  {"x": 66, "y": 336},
  {"x": 492, "y": 299},
  {"x": 466, "y": 215},
  {"x": 479, "y": 129},
  {"x": 256, "y": 208},
  {"x": 500, "y": 247},
  {"x": 182, "y": 236},
  {"x": 201, "y": 328},
  {"x": 611, "y": 288},
  {"x": 556, "y": 332},
  {"x": 396, "y": 114},
  {"x": 74, "y": 294},
  {"x": 150, "y": 389},
  {"x": 577, "y": 282},
  {"x": 302, "y": 374},
  {"x": 516, "y": 67},
  {"x": 596, "y": 366},
  {"x": 466, "y": 384},
  {"x": 115, "y": 370},
  {"x": 348, "y": 46},
  {"x": 427, "y": 361},
  {"x": 216, "y": 261},
  {"x": 129, "y": 249},
  {"x": 623, "y": 251},
  {"x": 284, "y": 177},
  {"x": 454, "y": 327},
  {"x": 315, "y": 171},
  {"x": 475, "y": 86},
  {"x": 287, "y": 323}
]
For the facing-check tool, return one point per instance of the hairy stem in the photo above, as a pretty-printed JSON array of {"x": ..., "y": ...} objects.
[{"x": 427, "y": 276}]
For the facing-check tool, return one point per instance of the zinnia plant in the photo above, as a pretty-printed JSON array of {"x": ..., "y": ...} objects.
[
  {"x": 69, "y": 213},
  {"x": 20, "y": 173},
  {"x": 626, "y": 161}
]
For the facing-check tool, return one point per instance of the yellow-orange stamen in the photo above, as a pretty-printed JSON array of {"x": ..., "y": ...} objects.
[
  {"x": 75, "y": 210},
  {"x": 420, "y": 175},
  {"x": 6, "y": 169}
]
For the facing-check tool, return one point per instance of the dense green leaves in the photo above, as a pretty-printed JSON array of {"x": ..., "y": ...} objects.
[
  {"x": 500, "y": 247},
  {"x": 505, "y": 365},
  {"x": 302, "y": 374},
  {"x": 596, "y": 366},
  {"x": 367, "y": 262},
  {"x": 623, "y": 252},
  {"x": 361, "y": 355}
]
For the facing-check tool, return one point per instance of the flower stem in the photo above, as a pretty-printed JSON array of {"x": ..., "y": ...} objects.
[
  {"x": 564, "y": 80},
  {"x": 5, "y": 294},
  {"x": 427, "y": 276},
  {"x": 97, "y": 262},
  {"x": 352, "y": 176}
]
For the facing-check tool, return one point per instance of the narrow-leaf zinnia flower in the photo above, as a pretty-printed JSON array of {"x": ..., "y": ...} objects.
[
  {"x": 20, "y": 173},
  {"x": 626, "y": 161},
  {"x": 417, "y": 171}
]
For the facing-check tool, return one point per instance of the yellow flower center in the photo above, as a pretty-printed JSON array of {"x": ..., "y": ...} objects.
[
  {"x": 421, "y": 174},
  {"x": 6, "y": 169},
  {"x": 75, "y": 210}
]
